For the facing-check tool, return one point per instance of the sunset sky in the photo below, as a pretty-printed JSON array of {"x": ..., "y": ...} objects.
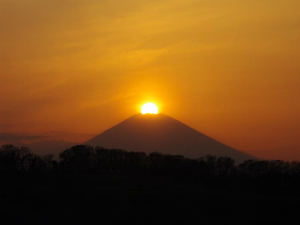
[{"x": 227, "y": 68}]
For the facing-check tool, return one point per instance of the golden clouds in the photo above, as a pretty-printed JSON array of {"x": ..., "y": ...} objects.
[{"x": 66, "y": 60}]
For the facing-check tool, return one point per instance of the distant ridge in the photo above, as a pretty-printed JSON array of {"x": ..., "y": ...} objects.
[
  {"x": 161, "y": 133},
  {"x": 54, "y": 147}
]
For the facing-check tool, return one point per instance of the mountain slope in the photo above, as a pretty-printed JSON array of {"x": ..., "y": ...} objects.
[{"x": 161, "y": 133}]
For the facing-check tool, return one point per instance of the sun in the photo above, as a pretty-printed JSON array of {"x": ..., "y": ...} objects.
[{"x": 149, "y": 108}]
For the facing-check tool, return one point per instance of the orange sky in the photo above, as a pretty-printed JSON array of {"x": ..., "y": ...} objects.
[{"x": 228, "y": 68}]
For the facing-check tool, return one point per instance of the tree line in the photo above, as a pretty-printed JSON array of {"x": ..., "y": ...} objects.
[{"x": 98, "y": 160}]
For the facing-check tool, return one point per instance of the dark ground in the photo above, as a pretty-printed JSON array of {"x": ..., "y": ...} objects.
[{"x": 111, "y": 199}]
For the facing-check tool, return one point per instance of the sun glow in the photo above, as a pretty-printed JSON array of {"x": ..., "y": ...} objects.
[{"x": 149, "y": 108}]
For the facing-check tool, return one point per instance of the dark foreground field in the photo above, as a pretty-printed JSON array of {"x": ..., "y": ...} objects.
[{"x": 112, "y": 199}]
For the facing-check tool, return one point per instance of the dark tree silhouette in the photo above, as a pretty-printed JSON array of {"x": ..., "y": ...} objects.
[
  {"x": 80, "y": 158},
  {"x": 98, "y": 160},
  {"x": 19, "y": 160}
]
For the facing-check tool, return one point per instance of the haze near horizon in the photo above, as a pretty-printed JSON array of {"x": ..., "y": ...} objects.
[{"x": 229, "y": 69}]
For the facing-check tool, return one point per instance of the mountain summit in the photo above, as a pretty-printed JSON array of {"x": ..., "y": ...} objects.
[{"x": 149, "y": 133}]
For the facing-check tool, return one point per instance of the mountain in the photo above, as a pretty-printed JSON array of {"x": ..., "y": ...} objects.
[
  {"x": 53, "y": 147},
  {"x": 158, "y": 132},
  {"x": 45, "y": 147}
]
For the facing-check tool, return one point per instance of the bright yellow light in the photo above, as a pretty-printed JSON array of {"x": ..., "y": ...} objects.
[{"x": 149, "y": 108}]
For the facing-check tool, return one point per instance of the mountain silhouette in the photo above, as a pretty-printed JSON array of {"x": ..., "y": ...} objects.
[
  {"x": 158, "y": 132},
  {"x": 53, "y": 147}
]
